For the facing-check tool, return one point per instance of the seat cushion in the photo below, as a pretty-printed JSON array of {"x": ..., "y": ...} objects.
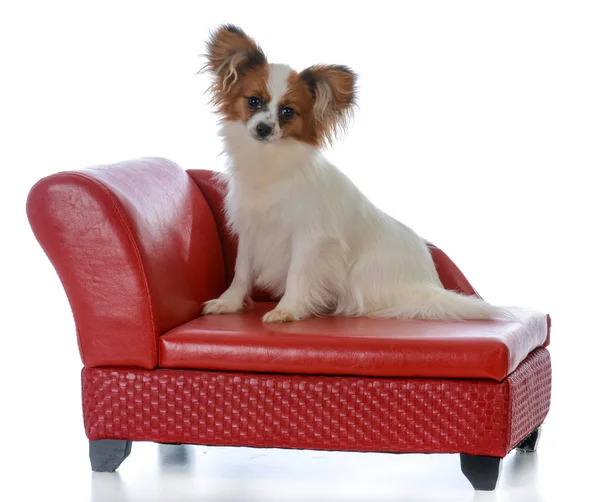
[{"x": 354, "y": 346}]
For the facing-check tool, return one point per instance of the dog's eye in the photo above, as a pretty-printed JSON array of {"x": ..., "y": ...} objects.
[
  {"x": 254, "y": 103},
  {"x": 287, "y": 112}
]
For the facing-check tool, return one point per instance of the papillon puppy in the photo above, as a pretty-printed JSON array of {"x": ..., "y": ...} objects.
[{"x": 305, "y": 232}]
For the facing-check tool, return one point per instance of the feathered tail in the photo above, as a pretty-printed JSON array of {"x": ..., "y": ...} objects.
[{"x": 435, "y": 303}]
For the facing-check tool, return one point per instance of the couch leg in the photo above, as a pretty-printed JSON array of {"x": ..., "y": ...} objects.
[
  {"x": 483, "y": 472},
  {"x": 106, "y": 455},
  {"x": 530, "y": 443}
]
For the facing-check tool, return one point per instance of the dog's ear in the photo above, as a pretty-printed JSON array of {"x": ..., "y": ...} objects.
[
  {"x": 333, "y": 88},
  {"x": 230, "y": 53}
]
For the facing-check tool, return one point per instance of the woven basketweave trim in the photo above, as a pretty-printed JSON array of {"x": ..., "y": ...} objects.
[
  {"x": 529, "y": 396},
  {"x": 479, "y": 417}
]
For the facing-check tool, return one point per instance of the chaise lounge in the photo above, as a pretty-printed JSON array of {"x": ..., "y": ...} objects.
[{"x": 140, "y": 246}]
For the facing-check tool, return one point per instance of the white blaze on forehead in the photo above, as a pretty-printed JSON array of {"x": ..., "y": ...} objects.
[
  {"x": 278, "y": 87},
  {"x": 278, "y": 83}
]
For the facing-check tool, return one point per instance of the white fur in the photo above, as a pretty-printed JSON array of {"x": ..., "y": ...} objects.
[
  {"x": 277, "y": 86},
  {"x": 306, "y": 232}
]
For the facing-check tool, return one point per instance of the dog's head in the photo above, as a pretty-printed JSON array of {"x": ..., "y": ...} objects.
[{"x": 272, "y": 100}]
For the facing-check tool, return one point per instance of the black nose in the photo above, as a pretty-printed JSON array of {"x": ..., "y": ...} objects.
[{"x": 263, "y": 130}]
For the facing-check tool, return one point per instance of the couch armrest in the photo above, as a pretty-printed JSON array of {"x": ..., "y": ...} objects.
[
  {"x": 450, "y": 275},
  {"x": 137, "y": 250}
]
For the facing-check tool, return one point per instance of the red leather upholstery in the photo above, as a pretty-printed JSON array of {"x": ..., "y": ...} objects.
[
  {"x": 137, "y": 250},
  {"x": 354, "y": 346},
  {"x": 139, "y": 247},
  {"x": 450, "y": 275}
]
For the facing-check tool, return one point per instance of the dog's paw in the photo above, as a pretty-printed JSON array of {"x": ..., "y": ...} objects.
[
  {"x": 279, "y": 316},
  {"x": 220, "y": 306}
]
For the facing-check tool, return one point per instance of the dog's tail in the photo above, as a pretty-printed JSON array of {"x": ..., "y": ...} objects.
[{"x": 435, "y": 303}]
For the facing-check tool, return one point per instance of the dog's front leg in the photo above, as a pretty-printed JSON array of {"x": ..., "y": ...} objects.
[
  {"x": 236, "y": 297},
  {"x": 293, "y": 306}
]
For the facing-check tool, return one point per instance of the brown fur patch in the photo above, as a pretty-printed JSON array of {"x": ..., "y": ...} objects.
[
  {"x": 333, "y": 88},
  {"x": 234, "y": 104},
  {"x": 302, "y": 126},
  {"x": 239, "y": 69}
]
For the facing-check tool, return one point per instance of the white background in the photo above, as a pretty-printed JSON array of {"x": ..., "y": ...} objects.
[{"x": 479, "y": 126}]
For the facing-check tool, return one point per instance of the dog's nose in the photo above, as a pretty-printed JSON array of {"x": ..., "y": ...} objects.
[{"x": 263, "y": 130}]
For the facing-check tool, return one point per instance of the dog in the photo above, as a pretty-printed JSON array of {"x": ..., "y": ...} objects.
[{"x": 305, "y": 232}]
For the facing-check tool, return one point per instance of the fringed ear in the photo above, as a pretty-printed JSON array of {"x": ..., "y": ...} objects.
[
  {"x": 230, "y": 53},
  {"x": 333, "y": 89}
]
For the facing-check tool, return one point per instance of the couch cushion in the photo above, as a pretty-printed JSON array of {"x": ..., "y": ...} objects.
[{"x": 354, "y": 346}]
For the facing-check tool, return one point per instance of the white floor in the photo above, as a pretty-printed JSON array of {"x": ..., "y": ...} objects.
[{"x": 57, "y": 469}]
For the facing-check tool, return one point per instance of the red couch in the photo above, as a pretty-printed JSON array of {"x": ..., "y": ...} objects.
[{"x": 139, "y": 246}]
